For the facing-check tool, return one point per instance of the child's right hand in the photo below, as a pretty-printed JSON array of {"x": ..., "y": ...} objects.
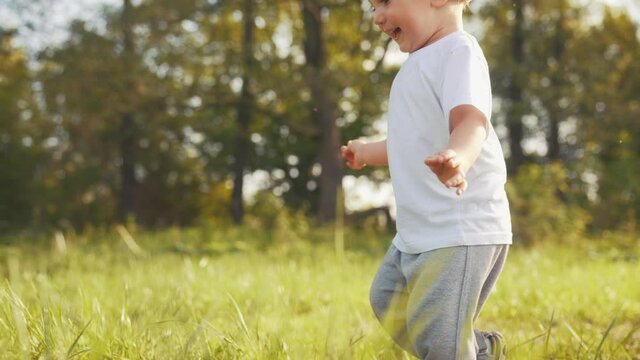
[{"x": 353, "y": 153}]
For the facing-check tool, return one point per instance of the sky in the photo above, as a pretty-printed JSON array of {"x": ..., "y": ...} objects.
[
  {"x": 633, "y": 6},
  {"x": 57, "y": 15}
]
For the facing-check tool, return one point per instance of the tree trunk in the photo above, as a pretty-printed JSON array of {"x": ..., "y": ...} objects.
[
  {"x": 516, "y": 109},
  {"x": 553, "y": 141},
  {"x": 557, "y": 83},
  {"x": 127, "y": 131},
  {"x": 244, "y": 108},
  {"x": 329, "y": 157},
  {"x": 324, "y": 111}
]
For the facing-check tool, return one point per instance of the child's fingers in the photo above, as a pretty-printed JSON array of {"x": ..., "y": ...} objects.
[
  {"x": 455, "y": 180},
  {"x": 431, "y": 160},
  {"x": 432, "y": 164},
  {"x": 346, "y": 153},
  {"x": 434, "y": 160},
  {"x": 451, "y": 182},
  {"x": 353, "y": 166},
  {"x": 462, "y": 187},
  {"x": 452, "y": 162},
  {"x": 445, "y": 157},
  {"x": 435, "y": 167},
  {"x": 351, "y": 144},
  {"x": 458, "y": 182}
]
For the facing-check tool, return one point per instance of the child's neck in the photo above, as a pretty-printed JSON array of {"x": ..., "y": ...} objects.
[
  {"x": 449, "y": 29},
  {"x": 444, "y": 31}
]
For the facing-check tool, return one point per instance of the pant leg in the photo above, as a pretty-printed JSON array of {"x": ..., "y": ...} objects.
[
  {"x": 388, "y": 297},
  {"x": 499, "y": 258},
  {"x": 446, "y": 287},
  {"x": 492, "y": 278}
]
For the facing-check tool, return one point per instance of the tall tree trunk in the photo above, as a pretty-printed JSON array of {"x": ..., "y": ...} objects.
[
  {"x": 329, "y": 158},
  {"x": 127, "y": 168},
  {"x": 553, "y": 137},
  {"x": 557, "y": 82},
  {"x": 516, "y": 109},
  {"x": 243, "y": 120},
  {"x": 127, "y": 131},
  {"x": 324, "y": 111}
]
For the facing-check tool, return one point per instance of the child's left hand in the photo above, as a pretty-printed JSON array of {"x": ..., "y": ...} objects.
[{"x": 447, "y": 166}]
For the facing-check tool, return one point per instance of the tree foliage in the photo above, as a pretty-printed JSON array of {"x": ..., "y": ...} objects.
[
  {"x": 23, "y": 138},
  {"x": 143, "y": 116}
]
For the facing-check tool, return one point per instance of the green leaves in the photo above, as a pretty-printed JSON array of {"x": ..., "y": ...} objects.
[{"x": 566, "y": 88}]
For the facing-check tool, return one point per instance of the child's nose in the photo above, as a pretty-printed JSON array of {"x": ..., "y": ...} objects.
[{"x": 378, "y": 17}]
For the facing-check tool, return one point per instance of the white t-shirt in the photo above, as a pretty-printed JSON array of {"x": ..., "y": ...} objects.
[{"x": 432, "y": 81}]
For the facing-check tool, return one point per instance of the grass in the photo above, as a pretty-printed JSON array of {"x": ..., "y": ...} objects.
[{"x": 247, "y": 294}]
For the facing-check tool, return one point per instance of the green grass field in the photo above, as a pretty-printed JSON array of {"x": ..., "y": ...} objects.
[{"x": 243, "y": 294}]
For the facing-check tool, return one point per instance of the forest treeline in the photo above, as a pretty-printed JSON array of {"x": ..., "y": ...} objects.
[{"x": 160, "y": 115}]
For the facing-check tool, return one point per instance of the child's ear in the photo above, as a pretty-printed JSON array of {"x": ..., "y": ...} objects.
[{"x": 438, "y": 3}]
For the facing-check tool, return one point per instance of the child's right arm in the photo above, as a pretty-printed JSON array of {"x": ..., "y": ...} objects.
[{"x": 360, "y": 154}]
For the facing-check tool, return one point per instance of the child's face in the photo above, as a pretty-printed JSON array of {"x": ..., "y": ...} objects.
[{"x": 413, "y": 24}]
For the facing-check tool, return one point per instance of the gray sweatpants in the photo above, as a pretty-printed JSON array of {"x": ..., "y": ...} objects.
[{"x": 428, "y": 302}]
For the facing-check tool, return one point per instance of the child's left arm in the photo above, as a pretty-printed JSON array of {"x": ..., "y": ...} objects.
[{"x": 468, "y": 127}]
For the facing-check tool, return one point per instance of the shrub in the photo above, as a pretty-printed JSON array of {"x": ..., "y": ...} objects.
[{"x": 541, "y": 209}]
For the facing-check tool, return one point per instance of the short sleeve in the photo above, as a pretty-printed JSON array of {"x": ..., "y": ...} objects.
[{"x": 466, "y": 81}]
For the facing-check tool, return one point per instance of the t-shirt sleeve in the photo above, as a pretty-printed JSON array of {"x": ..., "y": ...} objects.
[{"x": 466, "y": 82}]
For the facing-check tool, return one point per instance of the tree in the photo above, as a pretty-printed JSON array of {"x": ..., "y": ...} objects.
[
  {"x": 22, "y": 138},
  {"x": 609, "y": 110},
  {"x": 285, "y": 133},
  {"x": 244, "y": 111},
  {"x": 127, "y": 131},
  {"x": 84, "y": 94},
  {"x": 552, "y": 86},
  {"x": 142, "y": 117},
  {"x": 324, "y": 109},
  {"x": 91, "y": 85},
  {"x": 505, "y": 46}
]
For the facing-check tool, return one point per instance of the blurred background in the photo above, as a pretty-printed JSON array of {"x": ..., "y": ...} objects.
[{"x": 166, "y": 113}]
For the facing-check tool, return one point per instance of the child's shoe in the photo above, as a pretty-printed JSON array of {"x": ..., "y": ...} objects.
[{"x": 498, "y": 349}]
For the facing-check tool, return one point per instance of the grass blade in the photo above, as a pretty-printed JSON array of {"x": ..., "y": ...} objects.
[
  {"x": 244, "y": 326},
  {"x": 576, "y": 336},
  {"x": 625, "y": 340},
  {"x": 132, "y": 245},
  {"x": 75, "y": 342},
  {"x": 511, "y": 349},
  {"x": 77, "y": 353},
  {"x": 19, "y": 310},
  {"x": 548, "y": 333},
  {"x": 604, "y": 337}
]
